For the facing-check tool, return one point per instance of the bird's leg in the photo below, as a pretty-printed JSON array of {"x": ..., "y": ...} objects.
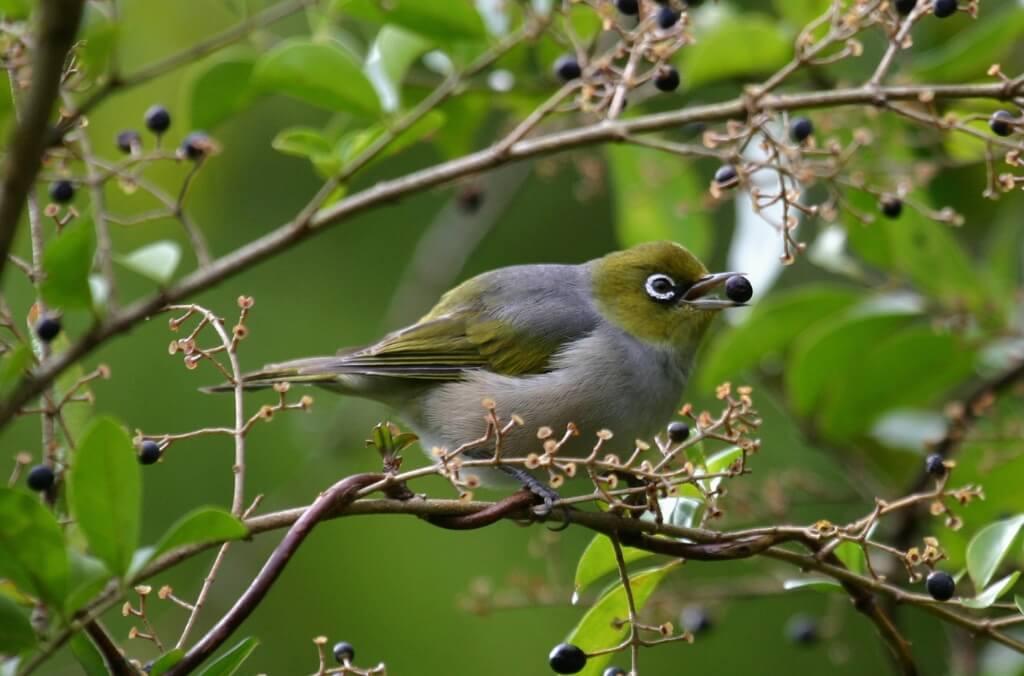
[{"x": 547, "y": 495}]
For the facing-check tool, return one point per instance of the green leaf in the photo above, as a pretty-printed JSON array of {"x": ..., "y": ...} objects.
[
  {"x": 441, "y": 20},
  {"x": 825, "y": 584},
  {"x": 220, "y": 88},
  {"x": 1018, "y": 601},
  {"x": 88, "y": 655},
  {"x": 201, "y": 526},
  {"x": 993, "y": 592},
  {"x": 321, "y": 74},
  {"x": 67, "y": 261},
  {"x": 989, "y": 547},
  {"x": 852, "y": 556},
  {"x": 598, "y": 561},
  {"x": 32, "y": 552},
  {"x": 968, "y": 53},
  {"x": 720, "y": 462},
  {"x": 825, "y": 356},
  {"x": 772, "y": 326},
  {"x": 596, "y": 631},
  {"x": 13, "y": 366},
  {"x": 229, "y": 662},
  {"x": 88, "y": 577},
  {"x": 16, "y": 632},
  {"x": 912, "y": 368},
  {"x": 157, "y": 261},
  {"x": 12, "y": 10},
  {"x": 658, "y": 200},
  {"x": 166, "y": 661},
  {"x": 105, "y": 493},
  {"x": 390, "y": 55},
  {"x": 801, "y": 12},
  {"x": 301, "y": 142},
  {"x": 743, "y": 45}
]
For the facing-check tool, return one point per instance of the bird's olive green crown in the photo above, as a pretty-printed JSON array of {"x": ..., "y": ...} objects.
[{"x": 626, "y": 289}]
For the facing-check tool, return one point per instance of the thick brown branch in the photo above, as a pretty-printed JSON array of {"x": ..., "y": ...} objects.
[
  {"x": 58, "y": 25},
  {"x": 112, "y": 655}
]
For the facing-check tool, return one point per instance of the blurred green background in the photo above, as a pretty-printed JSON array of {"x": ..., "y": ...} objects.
[{"x": 391, "y": 585}]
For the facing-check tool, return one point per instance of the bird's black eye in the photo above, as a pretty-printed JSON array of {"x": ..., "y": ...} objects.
[{"x": 660, "y": 287}]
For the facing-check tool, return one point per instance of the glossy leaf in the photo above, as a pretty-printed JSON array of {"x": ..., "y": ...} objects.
[
  {"x": 32, "y": 551},
  {"x": 598, "y": 561},
  {"x": 989, "y": 547},
  {"x": 88, "y": 577},
  {"x": 771, "y": 328},
  {"x": 67, "y": 261},
  {"x": 321, "y": 74},
  {"x": 743, "y": 45},
  {"x": 718, "y": 463},
  {"x": 88, "y": 655},
  {"x": 229, "y": 662},
  {"x": 825, "y": 584},
  {"x": 390, "y": 55},
  {"x": 852, "y": 556},
  {"x": 595, "y": 630},
  {"x": 220, "y": 88},
  {"x": 105, "y": 493},
  {"x": 993, "y": 592},
  {"x": 163, "y": 663},
  {"x": 658, "y": 200},
  {"x": 201, "y": 526},
  {"x": 446, "y": 21},
  {"x": 16, "y": 633},
  {"x": 157, "y": 261}
]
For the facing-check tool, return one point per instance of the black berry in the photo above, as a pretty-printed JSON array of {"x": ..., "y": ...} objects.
[
  {"x": 149, "y": 452},
  {"x": 158, "y": 120},
  {"x": 196, "y": 145},
  {"x": 940, "y": 585},
  {"x": 678, "y": 432},
  {"x": 565, "y": 658},
  {"x": 738, "y": 289},
  {"x": 62, "y": 191},
  {"x": 127, "y": 140},
  {"x": 343, "y": 650},
  {"x": 628, "y": 7},
  {"x": 933, "y": 465},
  {"x": 567, "y": 68},
  {"x": 695, "y": 619},
  {"x": 614, "y": 671},
  {"x": 47, "y": 328},
  {"x": 726, "y": 176},
  {"x": 905, "y": 7},
  {"x": 944, "y": 8},
  {"x": 802, "y": 630},
  {"x": 40, "y": 478},
  {"x": 667, "y": 79},
  {"x": 891, "y": 207},
  {"x": 800, "y": 128},
  {"x": 1001, "y": 123},
  {"x": 667, "y": 17}
]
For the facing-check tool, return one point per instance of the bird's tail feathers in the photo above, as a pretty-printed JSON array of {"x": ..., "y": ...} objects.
[{"x": 310, "y": 371}]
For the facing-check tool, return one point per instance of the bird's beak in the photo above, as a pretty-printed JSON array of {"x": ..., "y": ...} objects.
[{"x": 696, "y": 295}]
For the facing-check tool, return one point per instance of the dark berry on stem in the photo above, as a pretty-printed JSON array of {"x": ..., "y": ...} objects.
[
  {"x": 905, "y": 7},
  {"x": 567, "y": 68},
  {"x": 127, "y": 140},
  {"x": 628, "y": 7},
  {"x": 738, "y": 289},
  {"x": 343, "y": 650},
  {"x": 940, "y": 585},
  {"x": 62, "y": 191},
  {"x": 933, "y": 465},
  {"x": 667, "y": 79},
  {"x": 47, "y": 328},
  {"x": 667, "y": 17},
  {"x": 149, "y": 452},
  {"x": 695, "y": 619},
  {"x": 40, "y": 478},
  {"x": 944, "y": 8},
  {"x": 802, "y": 630},
  {"x": 565, "y": 658},
  {"x": 678, "y": 432},
  {"x": 800, "y": 128},
  {"x": 1001, "y": 123},
  {"x": 892, "y": 207},
  {"x": 726, "y": 176},
  {"x": 614, "y": 671},
  {"x": 158, "y": 120},
  {"x": 196, "y": 145}
]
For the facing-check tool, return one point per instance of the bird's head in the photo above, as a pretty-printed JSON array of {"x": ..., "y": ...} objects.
[{"x": 661, "y": 293}]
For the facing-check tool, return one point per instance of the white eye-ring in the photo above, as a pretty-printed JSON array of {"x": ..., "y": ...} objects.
[{"x": 660, "y": 287}]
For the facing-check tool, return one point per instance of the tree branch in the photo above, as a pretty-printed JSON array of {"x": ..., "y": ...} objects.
[{"x": 58, "y": 25}]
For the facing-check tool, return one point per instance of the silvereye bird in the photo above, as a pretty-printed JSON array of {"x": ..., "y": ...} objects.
[{"x": 606, "y": 344}]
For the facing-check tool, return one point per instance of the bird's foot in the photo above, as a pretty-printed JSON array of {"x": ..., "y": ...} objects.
[{"x": 548, "y": 496}]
